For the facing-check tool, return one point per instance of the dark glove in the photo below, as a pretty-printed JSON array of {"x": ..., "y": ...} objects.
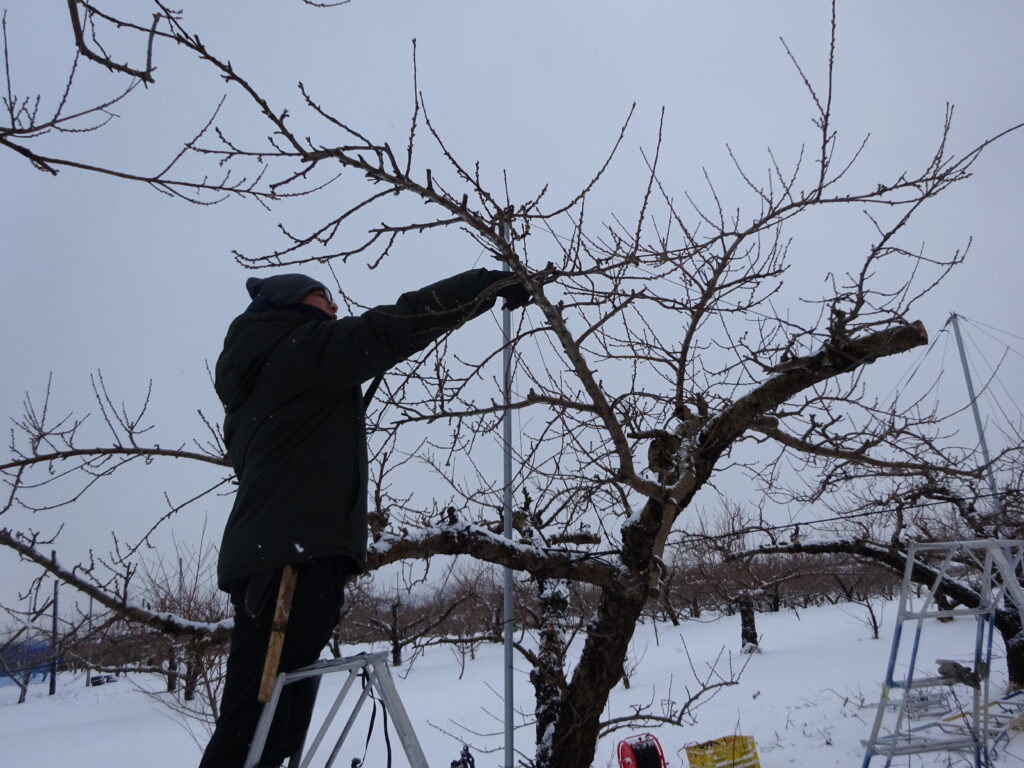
[{"x": 516, "y": 295}]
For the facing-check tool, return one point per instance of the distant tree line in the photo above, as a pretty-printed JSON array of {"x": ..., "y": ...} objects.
[{"x": 462, "y": 611}]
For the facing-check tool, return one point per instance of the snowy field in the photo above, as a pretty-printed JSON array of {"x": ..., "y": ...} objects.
[{"x": 807, "y": 700}]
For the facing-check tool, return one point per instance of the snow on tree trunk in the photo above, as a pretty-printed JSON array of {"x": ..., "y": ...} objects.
[
  {"x": 548, "y": 675},
  {"x": 598, "y": 671}
]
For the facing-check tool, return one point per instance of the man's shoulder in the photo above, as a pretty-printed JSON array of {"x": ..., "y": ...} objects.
[{"x": 270, "y": 323}]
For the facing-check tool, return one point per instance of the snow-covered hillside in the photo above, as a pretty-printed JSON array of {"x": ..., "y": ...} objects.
[{"x": 807, "y": 699}]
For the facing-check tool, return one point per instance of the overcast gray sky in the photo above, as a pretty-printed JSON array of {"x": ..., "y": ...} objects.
[{"x": 104, "y": 274}]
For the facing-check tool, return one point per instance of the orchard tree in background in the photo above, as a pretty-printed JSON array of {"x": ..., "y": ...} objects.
[
  {"x": 27, "y": 646},
  {"x": 660, "y": 353},
  {"x": 879, "y": 527}
]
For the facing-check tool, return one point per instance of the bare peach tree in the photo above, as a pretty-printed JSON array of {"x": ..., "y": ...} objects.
[{"x": 657, "y": 358}]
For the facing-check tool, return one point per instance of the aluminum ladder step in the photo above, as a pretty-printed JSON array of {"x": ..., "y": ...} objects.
[
  {"x": 885, "y": 746},
  {"x": 926, "y": 682}
]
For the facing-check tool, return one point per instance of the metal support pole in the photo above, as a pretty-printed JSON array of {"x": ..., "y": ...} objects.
[
  {"x": 955, "y": 320},
  {"x": 508, "y": 617},
  {"x": 53, "y": 630},
  {"x": 88, "y": 671}
]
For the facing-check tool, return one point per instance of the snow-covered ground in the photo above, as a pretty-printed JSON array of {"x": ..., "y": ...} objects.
[{"x": 807, "y": 700}]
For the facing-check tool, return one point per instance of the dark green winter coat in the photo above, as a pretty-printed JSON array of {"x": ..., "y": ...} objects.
[{"x": 295, "y": 426}]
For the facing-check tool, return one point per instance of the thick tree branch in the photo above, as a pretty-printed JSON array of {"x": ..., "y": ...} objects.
[
  {"x": 482, "y": 544},
  {"x": 802, "y": 373},
  {"x": 167, "y": 623},
  {"x": 700, "y": 457}
]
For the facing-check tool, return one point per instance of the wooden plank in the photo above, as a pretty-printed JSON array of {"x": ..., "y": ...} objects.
[{"x": 277, "y": 629}]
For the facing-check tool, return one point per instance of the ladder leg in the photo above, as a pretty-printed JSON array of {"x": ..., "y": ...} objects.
[
  {"x": 293, "y": 761},
  {"x": 381, "y": 675},
  {"x": 348, "y": 727},
  {"x": 329, "y": 719},
  {"x": 259, "y": 738}
]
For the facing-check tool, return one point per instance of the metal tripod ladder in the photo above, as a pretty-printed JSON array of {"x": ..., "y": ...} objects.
[
  {"x": 373, "y": 668},
  {"x": 998, "y": 565}
]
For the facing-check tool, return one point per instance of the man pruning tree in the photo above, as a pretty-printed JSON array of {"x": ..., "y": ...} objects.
[{"x": 290, "y": 379}]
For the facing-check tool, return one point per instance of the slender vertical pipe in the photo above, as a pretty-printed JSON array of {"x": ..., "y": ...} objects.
[
  {"x": 53, "y": 630},
  {"x": 955, "y": 320},
  {"x": 508, "y": 618}
]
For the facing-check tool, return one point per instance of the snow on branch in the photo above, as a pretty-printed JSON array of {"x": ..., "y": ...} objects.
[
  {"x": 482, "y": 544},
  {"x": 165, "y": 622}
]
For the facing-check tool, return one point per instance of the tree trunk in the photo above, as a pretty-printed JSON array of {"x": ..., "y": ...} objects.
[
  {"x": 604, "y": 652},
  {"x": 192, "y": 675},
  {"x": 873, "y": 622},
  {"x": 396, "y": 651},
  {"x": 748, "y": 624},
  {"x": 396, "y": 636},
  {"x": 670, "y": 610},
  {"x": 599, "y": 669},
  {"x": 548, "y": 676},
  {"x": 695, "y": 608},
  {"x": 1008, "y": 625},
  {"x": 172, "y": 671},
  {"x": 945, "y": 604}
]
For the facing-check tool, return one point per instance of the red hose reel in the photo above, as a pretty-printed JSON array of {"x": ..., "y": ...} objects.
[{"x": 641, "y": 751}]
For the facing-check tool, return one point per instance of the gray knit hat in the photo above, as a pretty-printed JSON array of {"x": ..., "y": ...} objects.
[{"x": 284, "y": 289}]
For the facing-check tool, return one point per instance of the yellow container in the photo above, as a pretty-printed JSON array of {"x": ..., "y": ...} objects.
[{"x": 726, "y": 752}]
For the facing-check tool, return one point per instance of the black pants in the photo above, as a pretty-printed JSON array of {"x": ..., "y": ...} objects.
[{"x": 316, "y": 606}]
